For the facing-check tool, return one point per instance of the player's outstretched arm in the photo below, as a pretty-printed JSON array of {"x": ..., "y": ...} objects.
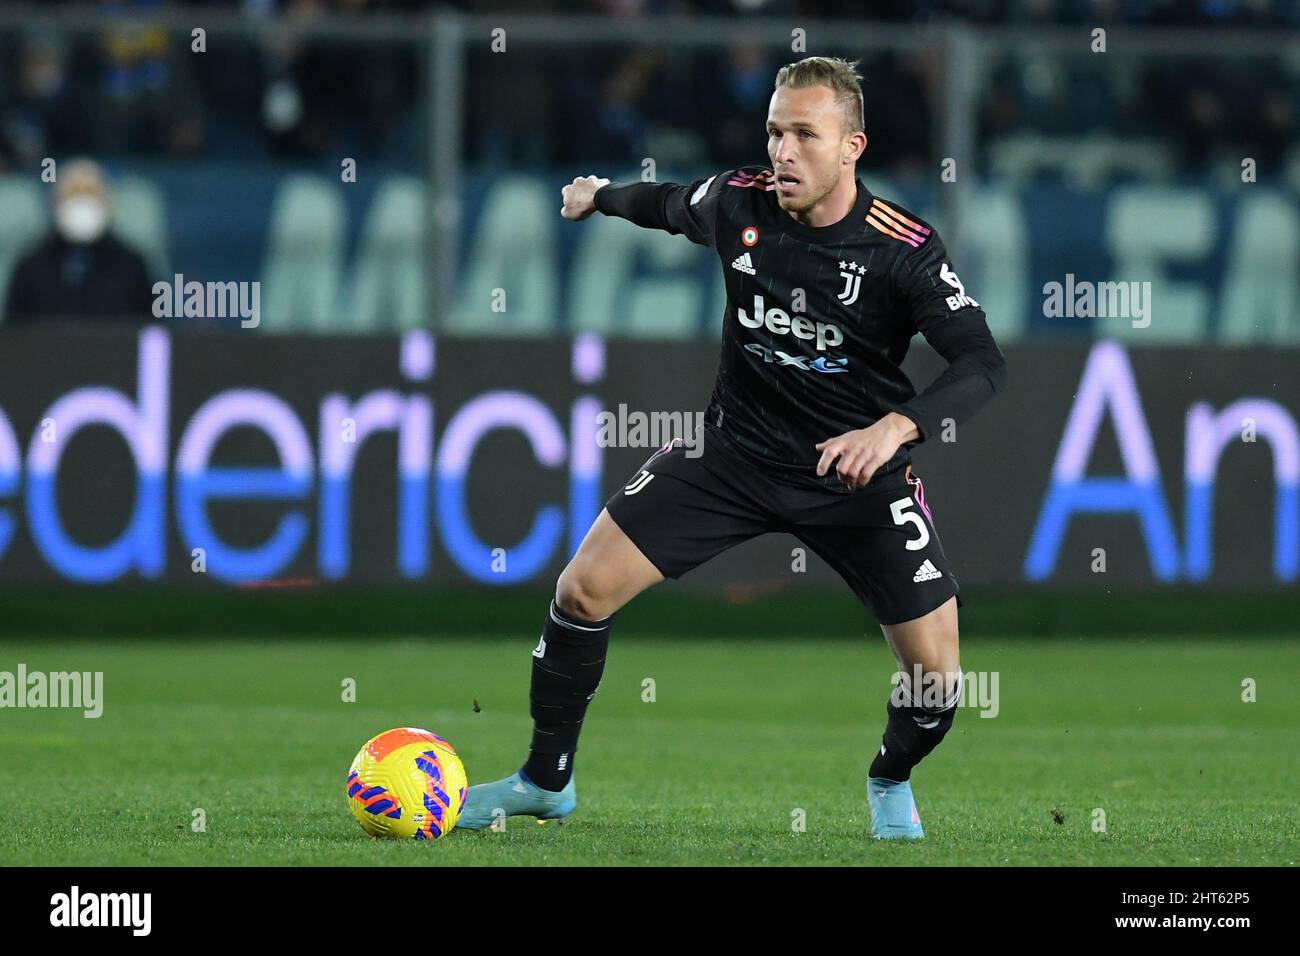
[{"x": 689, "y": 210}]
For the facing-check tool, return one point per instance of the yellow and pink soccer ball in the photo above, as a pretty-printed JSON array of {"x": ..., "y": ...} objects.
[{"x": 407, "y": 783}]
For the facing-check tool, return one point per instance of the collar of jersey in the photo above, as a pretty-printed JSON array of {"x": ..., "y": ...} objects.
[{"x": 848, "y": 226}]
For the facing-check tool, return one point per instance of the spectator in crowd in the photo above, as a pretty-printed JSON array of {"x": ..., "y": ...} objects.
[
  {"x": 45, "y": 104},
  {"x": 607, "y": 121},
  {"x": 144, "y": 91},
  {"x": 739, "y": 85},
  {"x": 80, "y": 270}
]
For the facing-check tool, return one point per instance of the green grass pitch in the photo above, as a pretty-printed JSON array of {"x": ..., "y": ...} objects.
[{"x": 741, "y": 735}]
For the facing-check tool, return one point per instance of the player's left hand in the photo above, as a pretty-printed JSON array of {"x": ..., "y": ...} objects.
[{"x": 857, "y": 455}]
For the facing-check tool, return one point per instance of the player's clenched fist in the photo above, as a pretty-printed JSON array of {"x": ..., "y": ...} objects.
[{"x": 580, "y": 197}]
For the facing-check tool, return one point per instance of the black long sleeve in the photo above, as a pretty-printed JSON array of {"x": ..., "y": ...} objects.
[
  {"x": 934, "y": 300},
  {"x": 689, "y": 210}
]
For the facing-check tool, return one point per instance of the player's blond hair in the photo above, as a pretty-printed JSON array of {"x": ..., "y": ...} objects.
[{"x": 840, "y": 75}]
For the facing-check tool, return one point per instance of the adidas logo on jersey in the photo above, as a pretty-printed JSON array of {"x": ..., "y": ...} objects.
[
  {"x": 926, "y": 572},
  {"x": 744, "y": 264}
]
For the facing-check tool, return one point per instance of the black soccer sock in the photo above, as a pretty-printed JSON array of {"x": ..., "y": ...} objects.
[
  {"x": 567, "y": 665},
  {"x": 911, "y": 732}
]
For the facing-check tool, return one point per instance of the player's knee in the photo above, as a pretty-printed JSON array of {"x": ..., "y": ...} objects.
[
  {"x": 933, "y": 681},
  {"x": 578, "y": 594}
]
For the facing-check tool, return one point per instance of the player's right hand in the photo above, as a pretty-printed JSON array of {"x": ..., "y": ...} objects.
[{"x": 580, "y": 197}]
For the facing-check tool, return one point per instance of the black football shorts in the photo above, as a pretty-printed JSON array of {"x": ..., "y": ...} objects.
[{"x": 680, "y": 511}]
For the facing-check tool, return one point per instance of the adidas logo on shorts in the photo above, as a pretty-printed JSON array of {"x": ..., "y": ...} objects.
[
  {"x": 926, "y": 572},
  {"x": 744, "y": 264}
]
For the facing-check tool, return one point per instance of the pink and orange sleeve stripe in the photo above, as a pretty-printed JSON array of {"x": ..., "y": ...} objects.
[{"x": 893, "y": 223}]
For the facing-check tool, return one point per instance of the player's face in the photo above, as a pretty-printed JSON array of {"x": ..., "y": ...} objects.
[{"x": 806, "y": 141}]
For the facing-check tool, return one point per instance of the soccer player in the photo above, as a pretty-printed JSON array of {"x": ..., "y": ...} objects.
[{"x": 807, "y": 431}]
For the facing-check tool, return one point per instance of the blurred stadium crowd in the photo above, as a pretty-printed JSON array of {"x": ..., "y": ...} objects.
[
  {"x": 137, "y": 92},
  {"x": 1257, "y": 13},
  {"x": 226, "y": 165}
]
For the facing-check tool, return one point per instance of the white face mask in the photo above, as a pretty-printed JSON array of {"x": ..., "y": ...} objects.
[{"x": 81, "y": 219}]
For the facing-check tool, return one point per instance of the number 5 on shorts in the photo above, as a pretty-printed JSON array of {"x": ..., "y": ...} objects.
[{"x": 902, "y": 516}]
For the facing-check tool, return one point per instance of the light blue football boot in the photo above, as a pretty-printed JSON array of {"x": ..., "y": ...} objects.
[
  {"x": 893, "y": 811},
  {"x": 515, "y": 796}
]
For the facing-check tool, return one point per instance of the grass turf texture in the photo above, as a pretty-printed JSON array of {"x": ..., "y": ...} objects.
[{"x": 741, "y": 734}]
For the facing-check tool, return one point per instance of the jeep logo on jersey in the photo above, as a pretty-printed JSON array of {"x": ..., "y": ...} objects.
[
  {"x": 778, "y": 322},
  {"x": 961, "y": 299},
  {"x": 853, "y": 274}
]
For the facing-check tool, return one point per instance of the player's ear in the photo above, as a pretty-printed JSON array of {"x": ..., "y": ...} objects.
[{"x": 852, "y": 152}]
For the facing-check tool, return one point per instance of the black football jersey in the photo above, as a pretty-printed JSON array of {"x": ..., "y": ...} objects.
[{"x": 818, "y": 319}]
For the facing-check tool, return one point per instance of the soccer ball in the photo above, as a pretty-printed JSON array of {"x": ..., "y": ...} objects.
[{"x": 407, "y": 783}]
